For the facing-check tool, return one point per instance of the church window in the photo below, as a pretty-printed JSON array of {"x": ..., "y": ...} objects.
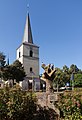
[
  {"x": 31, "y": 69},
  {"x": 31, "y": 53},
  {"x": 19, "y": 54}
]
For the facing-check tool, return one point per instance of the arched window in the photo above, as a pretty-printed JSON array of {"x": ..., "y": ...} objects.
[{"x": 31, "y": 53}]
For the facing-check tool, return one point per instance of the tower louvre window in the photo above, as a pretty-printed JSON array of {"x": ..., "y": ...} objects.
[
  {"x": 31, "y": 53},
  {"x": 31, "y": 69},
  {"x": 19, "y": 54}
]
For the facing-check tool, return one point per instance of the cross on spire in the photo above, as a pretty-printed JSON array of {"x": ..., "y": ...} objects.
[{"x": 27, "y": 8}]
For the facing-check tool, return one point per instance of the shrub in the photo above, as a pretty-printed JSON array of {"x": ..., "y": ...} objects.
[
  {"x": 70, "y": 105},
  {"x": 21, "y": 105}
]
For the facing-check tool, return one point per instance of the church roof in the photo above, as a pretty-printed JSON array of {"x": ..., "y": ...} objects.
[
  {"x": 27, "y": 31},
  {"x": 30, "y": 44}
]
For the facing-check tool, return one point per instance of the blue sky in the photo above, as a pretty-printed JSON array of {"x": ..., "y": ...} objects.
[{"x": 56, "y": 27}]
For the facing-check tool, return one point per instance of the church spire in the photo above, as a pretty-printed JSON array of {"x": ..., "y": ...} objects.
[{"x": 27, "y": 32}]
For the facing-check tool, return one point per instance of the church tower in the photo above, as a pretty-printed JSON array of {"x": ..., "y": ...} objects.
[{"x": 28, "y": 52}]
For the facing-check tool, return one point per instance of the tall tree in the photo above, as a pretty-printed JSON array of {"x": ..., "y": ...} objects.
[
  {"x": 74, "y": 69},
  {"x": 17, "y": 71},
  {"x": 59, "y": 77},
  {"x": 65, "y": 69},
  {"x": 66, "y": 74},
  {"x": 78, "y": 80},
  {"x": 14, "y": 71}
]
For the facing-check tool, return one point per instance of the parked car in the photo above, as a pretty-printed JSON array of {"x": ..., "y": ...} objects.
[
  {"x": 62, "y": 88},
  {"x": 68, "y": 88}
]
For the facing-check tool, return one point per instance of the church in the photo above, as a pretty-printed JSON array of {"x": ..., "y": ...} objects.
[{"x": 28, "y": 55}]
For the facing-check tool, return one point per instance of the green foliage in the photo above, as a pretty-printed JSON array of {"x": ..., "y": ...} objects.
[
  {"x": 65, "y": 69},
  {"x": 16, "y": 104},
  {"x": 21, "y": 105},
  {"x": 78, "y": 80},
  {"x": 58, "y": 76},
  {"x": 7, "y": 73},
  {"x": 73, "y": 68},
  {"x": 70, "y": 105},
  {"x": 62, "y": 76},
  {"x": 14, "y": 71},
  {"x": 17, "y": 71},
  {"x": 45, "y": 114}
]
